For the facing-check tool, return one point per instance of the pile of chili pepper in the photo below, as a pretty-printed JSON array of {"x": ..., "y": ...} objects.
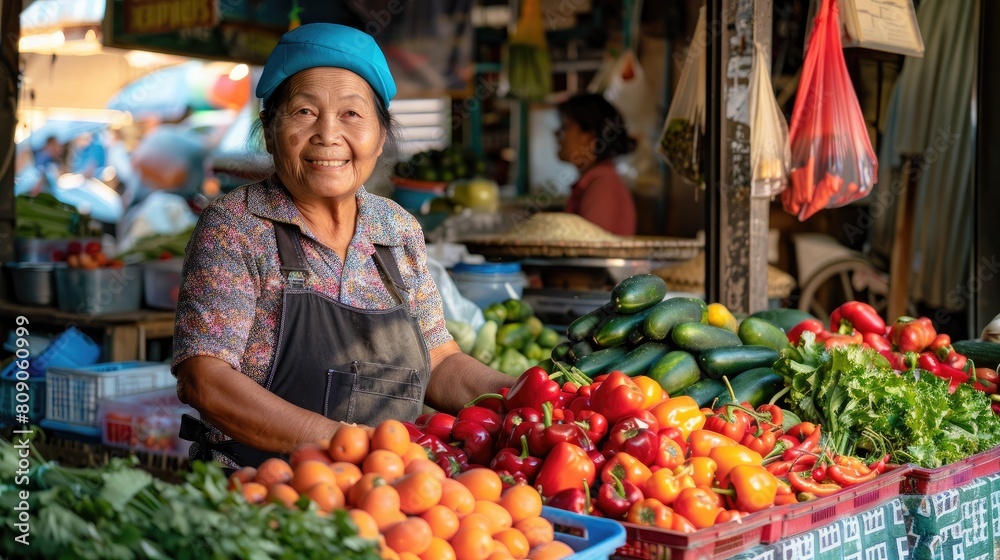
[{"x": 908, "y": 344}]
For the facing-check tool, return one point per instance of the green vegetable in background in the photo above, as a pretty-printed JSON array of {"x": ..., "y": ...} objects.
[
  {"x": 485, "y": 347},
  {"x": 513, "y": 363},
  {"x": 463, "y": 333}
]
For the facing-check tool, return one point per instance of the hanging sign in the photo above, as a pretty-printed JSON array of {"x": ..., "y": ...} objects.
[
  {"x": 882, "y": 25},
  {"x": 161, "y": 16}
]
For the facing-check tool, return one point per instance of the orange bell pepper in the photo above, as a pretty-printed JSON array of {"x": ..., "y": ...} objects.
[
  {"x": 649, "y": 387},
  {"x": 680, "y": 412},
  {"x": 665, "y": 485},
  {"x": 702, "y": 441},
  {"x": 625, "y": 467},
  {"x": 751, "y": 488},
  {"x": 698, "y": 505},
  {"x": 729, "y": 456},
  {"x": 651, "y": 512},
  {"x": 702, "y": 470}
]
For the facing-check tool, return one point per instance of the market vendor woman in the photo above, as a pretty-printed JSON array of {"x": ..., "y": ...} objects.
[{"x": 306, "y": 301}]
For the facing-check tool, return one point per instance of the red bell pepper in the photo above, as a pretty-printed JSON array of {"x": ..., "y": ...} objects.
[
  {"x": 508, "y": 479},
  {"x": 474, "y": 440},
  {"x": 954, "y": 375},
  {"x": 579, "y": 404},
  {"x": 567, "y": 466},
  {"x": 492, "y": 401},
  {"x": 594, "y": 424},
  {"x": 576, "y": 500},
  {"x": 533, "y": 388},
  {"x": 597, "y": 457},
  {"x": 730, "y": 421},
  {"x": 625, "y": 467},
  {"x": 448, "y": 457},
  {"x": 876, "y": 341},
  {"x": 912, "y": 335},
  {"x": 617, "y": 397},
  {"x": 928, "y": 362},
  {"x": 677, "y": 435},
  {"x": 956, "y": 360},
  {"x": 840, "y": 340},
  {"x": 941, "y": 346},
  {"x": 811, "y": 325},
  {"x": 544, "y": 435},
  {"x": 616, "y": 497},
  {"x": 413, "y": 430},
  {"x": 516, "y": 423},
  {"x": 485, "y": 417},
  {"x": 856, "y": 316},
  {"x": 514, "y": 461},
  {"x": 762, "y": 444},
  {"x": 669, "y": 453},
  {"x": 987, "y": 374},
  {"x": 632, "y": 435},
  {"x": 437, "y": 424}
]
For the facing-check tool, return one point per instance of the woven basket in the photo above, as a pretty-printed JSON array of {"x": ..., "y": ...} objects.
[{"x": 689, "y": 276}]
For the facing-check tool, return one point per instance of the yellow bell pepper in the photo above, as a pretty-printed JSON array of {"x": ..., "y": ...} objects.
[{"x": 682, "y": 413}]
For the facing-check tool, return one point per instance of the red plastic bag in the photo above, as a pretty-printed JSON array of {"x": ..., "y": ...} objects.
[{"x": 833, "y": 163}]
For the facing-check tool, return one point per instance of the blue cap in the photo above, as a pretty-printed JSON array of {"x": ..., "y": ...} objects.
[{"x": 317, "y": 45}]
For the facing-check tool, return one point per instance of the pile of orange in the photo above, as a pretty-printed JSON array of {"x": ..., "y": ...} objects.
[{"x": 395, "y": 494}]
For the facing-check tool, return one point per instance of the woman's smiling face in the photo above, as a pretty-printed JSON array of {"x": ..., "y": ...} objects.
[{"x": 326, "y": 138}]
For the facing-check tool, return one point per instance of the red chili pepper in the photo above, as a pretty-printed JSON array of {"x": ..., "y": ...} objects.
[
  {"x": 819, "y": 473},
  {"x": 844, "y": 477},
  {"x": 988, "y": 375},
  {"x": 880, "y": 465},
  {"x": 594, "y": 424},
  {"x": 856, "y": 316},
  {"x": 448, "y": 457},
  {"x": 475, "y": 441},
  {"x": 955, "y": 376},
  {"x": 567, "y": 466},
  {"x": 804, "y": 482},
  {"x": 811, "y": 325},
  {"x": 808, "y": 446},
  {"x": 485, "y": 417},
  {"x": 633, "y": 436},
  {"x": 941, "y": 346},
  {"x": 777, "y": 417},
  {"x": 586, "y": 391},
  {"x": 840, "y": 340},
  {"x": 876, "y": 341},
  {"x": 571, "y": 387},
  {"x": 801, "y": 430},
  {"x": 956, "y": 360},
  {"x": 617, "y": 397},
  {"x": 436, "y": 424},
  {"x": 533, "y": 388},
  {"x": 516, "y": 423},
  {"x": 912, "y": 335},
  {"x": 544, "y": 435},
  {"x": 508, "y": 479},
  {"x": 514, "y": 460},
  {"x": 928, "y": 362},
  {"x": 896, "y": 360}
]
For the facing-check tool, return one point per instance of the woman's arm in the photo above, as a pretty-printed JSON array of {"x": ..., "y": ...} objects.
[
  {"x": 457, "y": 378},
  {"x": 244, "y": 410}
]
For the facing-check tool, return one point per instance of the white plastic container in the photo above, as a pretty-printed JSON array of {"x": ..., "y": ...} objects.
[
  {"x": 161, "y": 282},
  {"x": 489, "y": 282},
  {"x": 146, "y": 422}
]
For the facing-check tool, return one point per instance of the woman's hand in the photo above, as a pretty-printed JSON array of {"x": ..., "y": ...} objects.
[
  {"x": 457, "y": 378},
  {"x": 244, "y": 410}
]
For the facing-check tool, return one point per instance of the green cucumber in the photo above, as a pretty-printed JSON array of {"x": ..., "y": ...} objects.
[
  {"x": 675, "y": 371},
  {"x": 983, "y": 352},
  {"x": 586, "y": 325},
  {"x": 703, "y": 391},
  {"x": 615, "y": 332},
  {"x": 732, "y": 361},
  {"x": 637, "y": 336},
  {"x": 698, "y": 337},
  {"x": 639, "y": 360},
  {"x": 638, "y": 292},
  {"x": 579, "y": 350},
  {"x": 559, "y": 351},
  {"x": 668, "y": 314},
  {"x": 594, "y": 363},
  {"x": 784, "y": 319},
  {"x": 756, "y": 387},
  {"x": 760, "y": 332}
]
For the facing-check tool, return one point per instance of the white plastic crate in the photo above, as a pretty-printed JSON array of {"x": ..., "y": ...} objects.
[
  {"x": 147, "y": 422},
  {"x": 72, "y": 395}
]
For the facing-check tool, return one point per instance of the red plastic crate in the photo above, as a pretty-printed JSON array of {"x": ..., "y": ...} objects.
[
  {"x": 932, "y": 481},
  {"x": 719, "y": 541},
  {"x": 794, "y": 519}
]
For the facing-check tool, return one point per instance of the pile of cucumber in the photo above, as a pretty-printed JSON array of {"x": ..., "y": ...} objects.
[
  {"x": 671, "y": 341},
  {"x": 512, "y": 339}
]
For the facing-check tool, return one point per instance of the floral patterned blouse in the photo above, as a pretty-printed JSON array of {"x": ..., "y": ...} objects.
[{"x": 229, "y": 306}]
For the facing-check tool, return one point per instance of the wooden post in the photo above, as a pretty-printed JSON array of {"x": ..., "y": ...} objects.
[
  {"x": 901, "y": 260},
  {"x": 10, "y": 30},
  {"x": 737, "y": 256},
  {"x": 985, "y": 277}
]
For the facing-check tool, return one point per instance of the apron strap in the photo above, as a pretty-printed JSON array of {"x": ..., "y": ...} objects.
[
  {"x": 387, "y": 269},
  {"x": 290, "y": 255}
]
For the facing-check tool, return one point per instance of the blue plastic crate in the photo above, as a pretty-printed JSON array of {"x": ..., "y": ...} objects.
[
  {"x": 72, "y": 395},
  {"x": 591, "y": 537},
  {"x": 86, "y": 434},
  {"x": 8, "y": 394}
]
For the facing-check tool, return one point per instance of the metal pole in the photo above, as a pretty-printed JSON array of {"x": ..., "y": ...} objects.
[{"x": 10, "y": 26}]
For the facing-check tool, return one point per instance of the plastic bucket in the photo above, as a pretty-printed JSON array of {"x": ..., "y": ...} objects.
[{"x": 489, "y": 282}]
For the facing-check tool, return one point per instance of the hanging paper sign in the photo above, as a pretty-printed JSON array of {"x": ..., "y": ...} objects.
[
  {"x": 882, "y": 25},
  {"x": 160, "y": 16}
]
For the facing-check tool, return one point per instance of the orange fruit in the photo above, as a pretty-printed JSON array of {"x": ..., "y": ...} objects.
[
  {"x": 411, "y": 535},
  {"x": 424, "y": 465},
  {"x": 499, "y": 517},
  {"x": 327, "y": 496},
  {"x": 367, "y": 527},
  {"x": 443, "y": 521},
  {"x": 382, "y": 502},
  {"x": 283, "y": 494},
  {"x": 521, "y": 502},
  {"x": 515, "y": 541},
  {"x": 363, "y": 486},
  {"x": 254, "y": 492},
  {"x": 484, "y": 483},
  {"x": 537, "y": 530},
  {"x": 552, "y": 550},
  {"x": 384, "y": 462},
  {"x": 349, "y": 443},
  {"x": 438, "y": 550},
  {"x": 310, "y": 473},
  {"x": 418, "y": 492},
  {"x": 241, "y": 477},
  {"x": 477, "y": 521},
  {"x": 273, "y": 471},
  {"x": 500, "y": 552},
  {"x": 457, "y": 497},
  {"x": 472, "y": 543},
  {"x": 413, "y": 451},
  {"x": 408, "y": 556},
  {"x": 309, "y": 452},
  {"x": 346, "y": 474},
  {"x": 391, "y": 435}
]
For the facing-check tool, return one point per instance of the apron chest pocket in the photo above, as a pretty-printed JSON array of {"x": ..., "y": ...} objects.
[{"x": 369, "y": 393}]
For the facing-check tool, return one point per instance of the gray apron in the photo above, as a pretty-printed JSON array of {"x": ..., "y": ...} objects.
[{"x": 348, "y": 364}]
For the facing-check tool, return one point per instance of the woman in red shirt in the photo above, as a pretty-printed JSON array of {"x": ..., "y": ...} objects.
[{"x": 593, "y": 132}]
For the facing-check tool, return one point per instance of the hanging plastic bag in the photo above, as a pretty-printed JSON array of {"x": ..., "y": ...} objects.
[
  {"x": 627, "y": 89},
  {"x": 526, "y": 70},
  {"x": 833, "y": 163},
  {"x": 770, "y": 154},
  {"x": 682, "y": 139}
]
